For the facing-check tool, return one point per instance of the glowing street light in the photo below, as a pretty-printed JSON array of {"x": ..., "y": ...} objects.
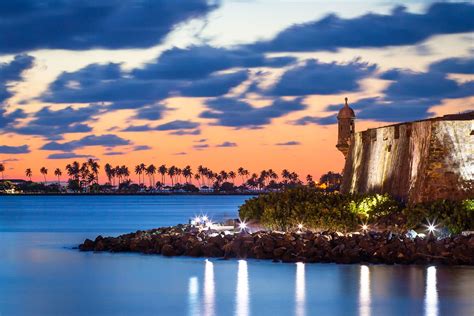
[
  {"x": 300, "y": 226},
  {"x": 209, "y": 224},
  {"x": 364, "y": 227},
  {"x": 243, "y": 226},
  {"x": 197, "y": 220},
  {"x": 431, "y": 227},
  {"x": 205, "y": 218}
]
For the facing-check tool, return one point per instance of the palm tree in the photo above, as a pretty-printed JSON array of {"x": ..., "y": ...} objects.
[
  {"x": 139, "y": 171},
  {"x": 125, "y": 172},
  {"x": 108, "y": 172},
  {"x": 58, "y": 173},
  {"x": 150, "y": 171},
  {"x": 28, "y": 173},
  {"x": 232, "y": 175},
  {"x": 187, "y": 173},
  {"x": 224, "y": 175},
  {"x": 73, "y": 170},
  {"x": 179, "y": 171},
  {"x": 163, "y": 171},
  {"x": 94, "y": 165},
  {"x": 44, "y": 172},
  {"x": 2, "y": 169},
  {"x": 143, "y": 168},
  {"x": 198, "y": 178},
  {"x": 118, "y": 173},
  {"x": 286, "y": 175},
  {"x": 171, "y": 174},
  {"x": 243, "y": 173}
]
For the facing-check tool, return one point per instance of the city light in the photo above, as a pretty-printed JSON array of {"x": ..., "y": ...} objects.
[
  {"x": 243, "y": 226},
  {"x": 300, "y": 226},
  {"x": 205, "y": 218},
  {"x": 364, "y": 227},
  {"x": 197, "y": 220},
  {"x": 431, "y": 227}
]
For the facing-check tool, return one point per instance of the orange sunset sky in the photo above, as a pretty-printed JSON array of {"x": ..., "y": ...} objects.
[{"x": 225, "y": 84}]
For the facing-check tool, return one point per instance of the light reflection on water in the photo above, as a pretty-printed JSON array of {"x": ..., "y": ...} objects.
[
  {"x": 209, "y": 289},
  {"x": 431, "y": 293},
  {"x": 39, "y": 266},
  {"x": 193, "y": 290},
  {"x": 364, "y": 291},
  {"x": 242, "y": 292},
  {"x": 300, "y": 290}
]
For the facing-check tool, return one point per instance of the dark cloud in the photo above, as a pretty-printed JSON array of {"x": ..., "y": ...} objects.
[
  {"x": 200, "y": 146},
  {"x": 107, "y": 83},
  {"x": 240, "y": 114},
  {"x": 214, "y": 85},
  {"x": 107, "y": 140},
  {"x": 315, "y": 77},
  {"x": 289, "y": 143},
  {"x": 114, "y": 153},
  {"x": 182, "y": 132},
  {"x": 67, "y": 155},
  {"x": 305, "y": 120},
  {"x": 177, "y": 125},
  {"x": 11, "y": 72},
  {"x": 454, "y": 65},
  {"x": 141, "y": 147},
  {"x": 152, "y": 112},
  {"x": 24, "y": 149},
  {"x": 197, "y": 62},
  {"x": 182, "y": 153},
  {"x": 227, "y": 144},
  {"x": 53, "y": 124},
  {"x": 373, "y": 30},
  {"x": 78, "y": 25},
  {"x": 8, "y": 119}
]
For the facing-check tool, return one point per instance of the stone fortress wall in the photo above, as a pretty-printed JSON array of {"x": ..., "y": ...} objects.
[{"x": 415, "y": 161}]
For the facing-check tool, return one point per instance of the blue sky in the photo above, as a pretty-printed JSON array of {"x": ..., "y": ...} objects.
[{"x": 140, "y": 79}]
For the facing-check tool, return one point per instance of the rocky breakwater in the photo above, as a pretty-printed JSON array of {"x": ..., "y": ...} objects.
[{"x": 371, "y": 247}]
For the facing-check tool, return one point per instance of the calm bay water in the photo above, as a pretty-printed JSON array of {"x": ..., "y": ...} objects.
[{"x": 40, "y": 273}]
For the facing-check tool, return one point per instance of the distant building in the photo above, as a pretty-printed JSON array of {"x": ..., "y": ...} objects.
[{"x": 414, "y": 161}]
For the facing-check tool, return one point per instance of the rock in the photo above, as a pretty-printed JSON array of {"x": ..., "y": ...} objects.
[
  {"x": 374, "y": 247},
  {"x": 168, "y": 251}
]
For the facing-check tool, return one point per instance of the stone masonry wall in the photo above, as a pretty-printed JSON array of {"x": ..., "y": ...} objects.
[{"x": 418, "y": 161}]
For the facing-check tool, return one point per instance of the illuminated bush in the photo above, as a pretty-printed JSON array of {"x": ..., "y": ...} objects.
[{"x": 455, "y": 215}]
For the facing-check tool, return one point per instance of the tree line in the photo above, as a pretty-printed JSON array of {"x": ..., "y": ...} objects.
[{"x": 84, "y": 177}]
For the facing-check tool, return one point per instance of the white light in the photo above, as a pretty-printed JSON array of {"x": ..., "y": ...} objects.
[
  {"x": 431, "y": 227},
  {"x": 197, "y": 219},
  {"x": 242, "y": 293},
  {"x": 209, "y": 288},
  {"x": 193, "y": 222},
  {"x": 300, "y": 226},
  {"x": 243, "y": 226},
  {"x": 364, "y": 291},
  {"x": 300, "y": 289},
  {"x": 431, "y": 293},
  {"x": 209, "y": 224},
  {"x": 193, "y": 290},
  {"x": 205, "y": 218},
  {"x": 365, "y": 227}
]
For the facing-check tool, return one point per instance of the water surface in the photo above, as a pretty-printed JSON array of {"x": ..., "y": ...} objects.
[{"x": 40, "y": 273}]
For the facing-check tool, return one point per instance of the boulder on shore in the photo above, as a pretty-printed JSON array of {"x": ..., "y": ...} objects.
[{"x": 373, "y": 247}]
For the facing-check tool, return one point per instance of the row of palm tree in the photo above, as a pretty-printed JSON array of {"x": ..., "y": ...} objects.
[{"x": 87, "y": 174}]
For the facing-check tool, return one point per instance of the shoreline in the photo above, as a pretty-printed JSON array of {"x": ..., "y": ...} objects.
[
  {"x": 309, "y": 247},
  {"x": 141, "y": 194}
]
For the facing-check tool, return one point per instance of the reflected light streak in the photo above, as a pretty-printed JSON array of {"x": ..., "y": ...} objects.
[
  {"x": 431, "y": 293},
  {"x": 209, "y": 288},
  {"x": 193, "y": 293},
  {"x": 242, "y": 295},
  {"x": 364, "y": 291},
  {"x": 300, "y": 289}
]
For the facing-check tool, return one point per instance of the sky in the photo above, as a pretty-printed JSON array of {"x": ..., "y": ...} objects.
[{"x": 224, "y": 84}]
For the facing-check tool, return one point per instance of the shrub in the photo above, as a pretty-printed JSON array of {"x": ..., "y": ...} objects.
[{"x": 455, "y": 215}]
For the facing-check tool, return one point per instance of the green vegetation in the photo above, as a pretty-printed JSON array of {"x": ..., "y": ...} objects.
[
  {"x": 331, "y": 211},
  {"x": 455, "y": 215}
]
